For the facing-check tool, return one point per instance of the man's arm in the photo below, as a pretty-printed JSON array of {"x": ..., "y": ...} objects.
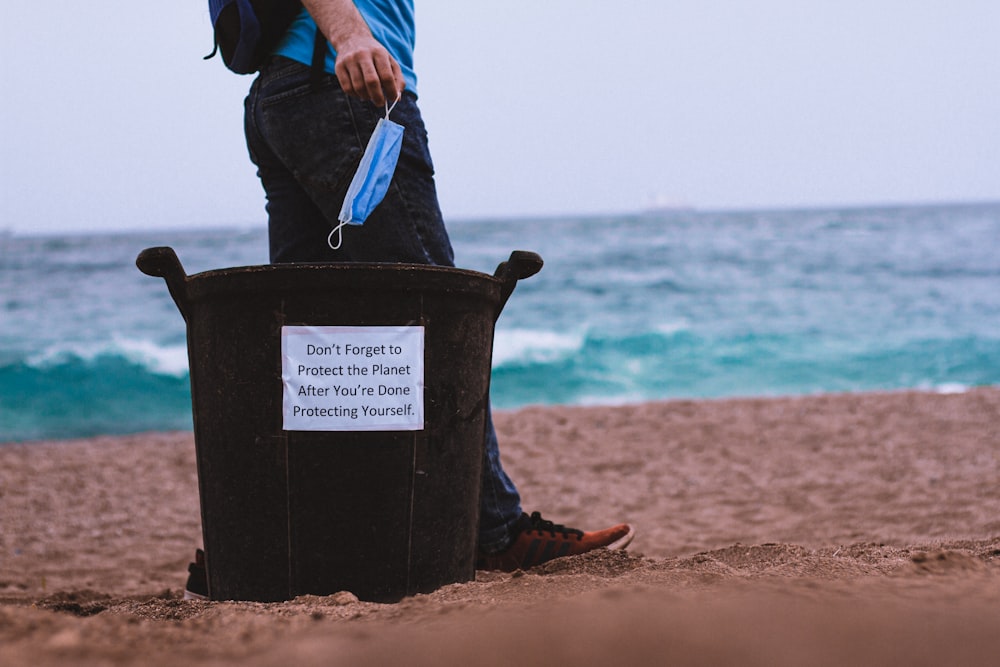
[{"x": 364, "y": 67}]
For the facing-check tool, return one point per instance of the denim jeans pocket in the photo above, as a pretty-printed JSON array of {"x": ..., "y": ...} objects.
[{"x": 319, "y": 134}]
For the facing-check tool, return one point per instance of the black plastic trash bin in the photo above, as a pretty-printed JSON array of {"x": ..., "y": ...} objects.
[{"x": 339, "y": 421}]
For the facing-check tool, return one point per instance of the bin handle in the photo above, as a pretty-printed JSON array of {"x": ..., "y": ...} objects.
[
  {"x": 522, "y": 264},
  {"x": 162, "y": 262}
]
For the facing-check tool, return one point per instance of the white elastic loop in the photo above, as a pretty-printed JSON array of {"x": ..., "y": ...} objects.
[
  {"x": 338, "y": 230},
  {"x": 388, "y": 109}
]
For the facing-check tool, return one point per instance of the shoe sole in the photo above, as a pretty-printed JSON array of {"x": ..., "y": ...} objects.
[
  {"x": 623, "y": 541},
  {"x": 188, "y": 595}
]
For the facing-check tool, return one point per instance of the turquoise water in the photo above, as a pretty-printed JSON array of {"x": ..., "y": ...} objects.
[{"x": 627, "y": 308}]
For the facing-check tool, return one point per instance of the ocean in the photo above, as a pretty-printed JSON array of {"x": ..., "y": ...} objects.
[{"x": 659, "y": 305}]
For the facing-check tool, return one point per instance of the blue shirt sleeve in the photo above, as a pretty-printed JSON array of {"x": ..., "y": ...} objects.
[{"x": 391, "y": 23}]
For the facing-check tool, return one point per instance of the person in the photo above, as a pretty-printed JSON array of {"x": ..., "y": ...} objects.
[{"x": 306, "y": 136}]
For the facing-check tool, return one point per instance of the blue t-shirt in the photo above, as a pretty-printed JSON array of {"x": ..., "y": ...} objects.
[{"x": 391, "y": 23}]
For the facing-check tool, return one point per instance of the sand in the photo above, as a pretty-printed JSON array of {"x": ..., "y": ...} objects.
[{"x": 829, "y": 530}]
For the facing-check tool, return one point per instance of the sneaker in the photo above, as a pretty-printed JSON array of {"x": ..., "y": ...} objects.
[
  {"x": 197, "y": 583},
  {"x": 539, "y": 541}
]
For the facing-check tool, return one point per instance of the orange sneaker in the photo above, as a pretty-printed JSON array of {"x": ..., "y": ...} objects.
[{"x": 539, "y": 541}]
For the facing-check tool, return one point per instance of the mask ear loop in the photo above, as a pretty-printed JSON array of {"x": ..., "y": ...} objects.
[
  {"x": 339, "y": 229},
  {"x": 388, "y": 108}
]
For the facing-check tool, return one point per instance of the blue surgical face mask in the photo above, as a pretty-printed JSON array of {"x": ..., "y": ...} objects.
[{"x": 371, "y": 180}]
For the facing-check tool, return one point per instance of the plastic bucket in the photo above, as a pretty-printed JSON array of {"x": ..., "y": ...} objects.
[{"x": 339, "y": 421}]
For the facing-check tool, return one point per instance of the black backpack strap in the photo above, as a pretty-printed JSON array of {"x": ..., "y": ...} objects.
[{"x": 319, "y": 59}]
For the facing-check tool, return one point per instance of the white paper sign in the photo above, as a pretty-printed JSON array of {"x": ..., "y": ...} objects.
[{"x": 352, "y": 378}]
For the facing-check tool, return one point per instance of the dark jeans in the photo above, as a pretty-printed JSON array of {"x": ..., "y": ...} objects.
[{"x": 306, "y": 141}]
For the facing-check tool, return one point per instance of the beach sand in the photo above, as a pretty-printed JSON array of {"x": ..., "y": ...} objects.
[{"x": 859, "y": 529}]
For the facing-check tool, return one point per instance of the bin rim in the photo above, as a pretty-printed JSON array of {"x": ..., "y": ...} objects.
[
  {"x": 312, "y": 276},
  {"x": 309, "y": 277},
  {"x": 354, "y": 267}
]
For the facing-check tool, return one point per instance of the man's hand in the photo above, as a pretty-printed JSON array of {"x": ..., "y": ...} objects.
[
  {"x": 366, "y": 70},
  {"x": 364, "y": 67}
]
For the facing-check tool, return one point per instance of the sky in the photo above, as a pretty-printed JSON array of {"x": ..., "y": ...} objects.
[{"x": 111, "y": 120}]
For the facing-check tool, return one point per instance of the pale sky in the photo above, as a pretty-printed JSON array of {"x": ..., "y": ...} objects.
[{"x": 111, "y": 120}]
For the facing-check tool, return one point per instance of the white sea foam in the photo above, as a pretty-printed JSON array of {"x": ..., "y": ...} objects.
[
  {"x": 951, "y": 388},
  {"x": 528, "y": 345},
  {"x": 671, "y": 328},
  {"x": 60, "y": 353},
  {"x": 598, "y": 400},
  {"x": 158, "y": 359}
]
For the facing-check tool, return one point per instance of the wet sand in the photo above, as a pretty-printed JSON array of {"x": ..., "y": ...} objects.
[{"x": 829, "y": 530}]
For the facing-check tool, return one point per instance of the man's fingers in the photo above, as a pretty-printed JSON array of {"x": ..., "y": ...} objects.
[
  {"x": 399, "y": 83},
  {"x": 390, "y": 78},
  {"x": 367, "y": 82},
  {"x": 374, "y": 83},
  {"x": 370, "y": 75},
  {"x": 352, "y": 79}
]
